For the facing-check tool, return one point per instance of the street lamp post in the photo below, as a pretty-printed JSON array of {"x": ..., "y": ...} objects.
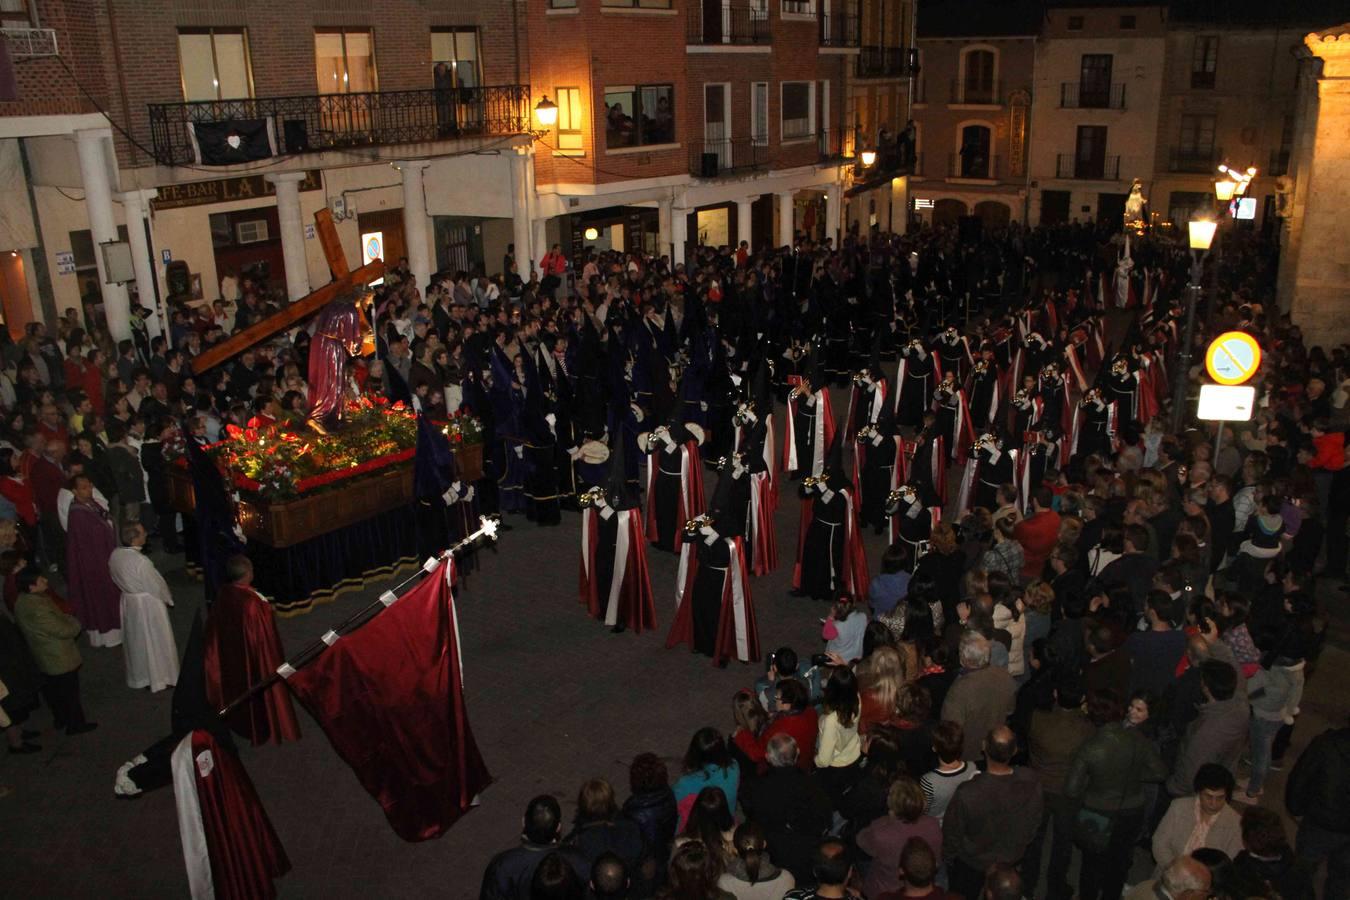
[{"x": 1201, "y": 234}]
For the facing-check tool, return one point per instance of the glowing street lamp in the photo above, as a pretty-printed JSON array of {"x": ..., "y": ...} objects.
[
  {"x": 869, "y": 157},
  {"x": 546, "y": 111},
  {"x": 1202, "y": 233}
]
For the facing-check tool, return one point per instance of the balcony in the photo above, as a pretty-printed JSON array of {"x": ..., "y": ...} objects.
[
  {"x": 720, "y": 159},
  {"x": 973, "y": 166},
  {"x": 887, "y": 62},
  {"x": 318, "y": 122},
  {"x": 1197, "y": 160},
  {"x": 1279, "y": 163},
  {"x": 832, "y": 144},
  {"x": 1086, "y": 95},
  {"x": 1106, "y": 168},
  {"x": 986, "y": 94},
  {"x": 839, "y": 30},
  {"x": 720, "y": 23},
  {"x": 29, "y": 43}
]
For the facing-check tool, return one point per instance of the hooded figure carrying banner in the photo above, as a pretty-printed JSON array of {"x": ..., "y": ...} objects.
[
  {"x": 447, "y": 507},
  {"x": 830, "y": 557},
  {"x": 615, "y": 584},
  {"x": 716, "y": 612}
]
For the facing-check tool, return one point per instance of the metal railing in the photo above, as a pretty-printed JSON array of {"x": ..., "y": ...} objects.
[
  {"x": 1202, "y": 160},
  {"x": 713, "y": 23},
  {"x": 27, "y": 43},
  {"x": 1086, "y": 95},
  {"x": 976, "y": 94},
  {"x": 715, "y": 159},
  {"x": 1279, "y": 163},
  {"x": 832, "y": 144},
  {"x": 886, "y": 62},
  {"x": 1068, "y": 165},
  {"x": 973, "y": 166},
  {"x": 839, "y": 30},
  {"x": 316, "y": 122}
]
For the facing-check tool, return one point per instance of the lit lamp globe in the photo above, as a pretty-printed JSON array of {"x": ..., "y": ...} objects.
[
  {"x": 1202, "y": 233},
  {"x": 591, "y": 234},
  {"x": 1224, "y": 189},
  {"x": 546, "y": 111},
  {"x": 869, "y": 157}
]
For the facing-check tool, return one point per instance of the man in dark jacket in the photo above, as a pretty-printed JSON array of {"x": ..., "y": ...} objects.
[
  {"x": 993, "y": 817},
  {"x": 790, "y": 806},
  {"x": 1318, "y": 789},
  {"x": 509, "y": 873},
  {"x": 1219, "y": 732}
]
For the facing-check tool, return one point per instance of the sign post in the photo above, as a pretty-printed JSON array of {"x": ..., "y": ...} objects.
[{"x": 1232, "y": 359}]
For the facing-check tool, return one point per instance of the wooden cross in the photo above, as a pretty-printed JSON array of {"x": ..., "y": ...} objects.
[{"x": 344, "y": 281}]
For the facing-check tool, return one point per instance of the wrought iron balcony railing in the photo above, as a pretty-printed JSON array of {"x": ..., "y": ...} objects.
[
  {"x": 887, "y": 62},
  {"x": 719, "y": 159},
  {"x": 1087, "y": 95},
  {"x": 973, "y": 165},
  {"x": 26, "y": 43},
  {"x": 839, "y": 30},
  {"x": 1068, "y": 165},
  {"x": 712, "y": 23},
  {"x": 317, "y": 122},
  {"x": 1199, "y": 160},
  {"x": 969, "y": 93}
]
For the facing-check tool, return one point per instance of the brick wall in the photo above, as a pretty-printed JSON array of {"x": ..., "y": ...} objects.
[
  {"x": 592, "y": 47},
  {"x": 44, "y": 86},
  {"x": 281, "y": 49}
]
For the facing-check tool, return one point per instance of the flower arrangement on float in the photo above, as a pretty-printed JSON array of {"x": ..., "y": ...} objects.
[{"x": 285, "y": 459}]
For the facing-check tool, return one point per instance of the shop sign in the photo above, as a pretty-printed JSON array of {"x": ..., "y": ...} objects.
[{"x": 225, "y": 190}]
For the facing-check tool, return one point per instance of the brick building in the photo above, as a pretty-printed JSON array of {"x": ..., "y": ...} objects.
[
  {"x": 207, "y": 135},
  {"x": 972, "y": 110},
  {"x": 711, "y": 122}
]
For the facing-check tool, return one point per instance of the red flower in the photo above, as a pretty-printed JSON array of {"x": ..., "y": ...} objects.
[{"x": 233, "y": 431}]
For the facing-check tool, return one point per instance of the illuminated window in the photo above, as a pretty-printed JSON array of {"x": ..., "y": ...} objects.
[
  {"x": 457, "y": 49},
  {"x": 569, "y": 118},
  {"x": 214, "y": 64}
]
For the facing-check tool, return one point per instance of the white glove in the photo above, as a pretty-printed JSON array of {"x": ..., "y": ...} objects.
[
  {"x": 520, "y": 452},
  {"x": 574, "y": 453},
  {"x": 468, "y": 495},
  {"x": 551, "y": 419}
]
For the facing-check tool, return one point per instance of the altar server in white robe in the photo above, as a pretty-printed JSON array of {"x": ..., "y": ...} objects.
[{"x": 147, "y": 636}]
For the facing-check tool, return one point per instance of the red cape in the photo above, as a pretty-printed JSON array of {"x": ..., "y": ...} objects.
[{"x": 242, "y": 648}]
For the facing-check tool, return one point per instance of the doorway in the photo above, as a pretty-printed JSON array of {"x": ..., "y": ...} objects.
[
  {"x": 1054, "y": 207},
  {"x": 1111, "y": 209},
  {"x": 389, "y": 223}
]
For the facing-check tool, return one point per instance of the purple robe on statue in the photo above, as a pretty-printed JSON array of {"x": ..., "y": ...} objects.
[
  {"x": 93, "y": 594},
  {"x": 337, "y": 336}
]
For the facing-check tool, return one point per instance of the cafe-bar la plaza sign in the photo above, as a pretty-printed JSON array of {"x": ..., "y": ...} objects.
[{"x": 225, "y": 190}]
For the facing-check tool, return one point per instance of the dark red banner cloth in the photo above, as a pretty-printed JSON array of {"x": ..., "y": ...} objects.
[{"x": 390, "y": 698}]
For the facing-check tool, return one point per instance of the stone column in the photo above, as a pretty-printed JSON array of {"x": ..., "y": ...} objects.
[
  {"x": 665, "y": 235},
  {"x": 416, "y": 224},
  {"x": 743, "y": 222},
  {"x": 292, "y": 232},
  {"x": 94, "y": 149},
  {"x": 679, "y": 234},
  {"x": 834, "y": 202},
  {"x": 785, "y": 218},
  {"x": 520, "y": 211},
  {"x": 1313, "y": 262},
  {"x": 133, "y": 206}
]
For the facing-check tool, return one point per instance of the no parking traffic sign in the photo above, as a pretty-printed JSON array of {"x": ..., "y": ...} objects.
[{"x": 1233, "y": 357}]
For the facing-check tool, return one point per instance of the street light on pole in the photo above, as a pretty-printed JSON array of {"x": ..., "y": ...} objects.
[{"x": 1201, "y": 234}]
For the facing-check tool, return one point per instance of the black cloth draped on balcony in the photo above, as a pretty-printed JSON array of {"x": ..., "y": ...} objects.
[{"x": 228, "y": 143}]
